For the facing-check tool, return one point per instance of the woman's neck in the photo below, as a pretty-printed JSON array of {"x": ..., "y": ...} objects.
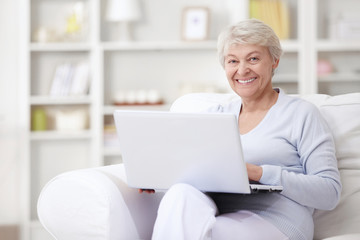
[{"x": 261, "y": 103}]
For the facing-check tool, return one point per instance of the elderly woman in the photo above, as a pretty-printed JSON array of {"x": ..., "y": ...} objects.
[{"x": 285, "y": 142}]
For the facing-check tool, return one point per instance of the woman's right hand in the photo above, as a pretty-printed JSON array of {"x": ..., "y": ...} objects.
[
  {"x": 150, "y": 191},
  {"x": 254, "y": 172}
]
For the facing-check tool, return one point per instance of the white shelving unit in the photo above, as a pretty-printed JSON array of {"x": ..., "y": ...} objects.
[
  {"x": 156, "y": 59},
  {"x": 339, "y": 50}
]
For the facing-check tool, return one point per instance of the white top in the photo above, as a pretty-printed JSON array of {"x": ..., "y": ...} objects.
[{"x": 295, "y": 147}]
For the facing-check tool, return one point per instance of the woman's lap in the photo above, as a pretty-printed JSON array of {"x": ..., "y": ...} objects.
[
  {"x": 244, "y": 225},
  {"x": 195, "y": 210}
]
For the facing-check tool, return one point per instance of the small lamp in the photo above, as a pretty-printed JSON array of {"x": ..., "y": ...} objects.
[{"x": 123, "y": 12}]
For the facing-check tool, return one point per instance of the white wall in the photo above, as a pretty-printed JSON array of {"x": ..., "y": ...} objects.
[{"x": 9, "y": 162}]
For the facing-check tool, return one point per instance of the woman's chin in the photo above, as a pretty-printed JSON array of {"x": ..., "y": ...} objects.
[{"x": 245, "y": 90}]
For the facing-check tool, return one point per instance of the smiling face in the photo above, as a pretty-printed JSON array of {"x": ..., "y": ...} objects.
[{"x": 249, "y": 69}]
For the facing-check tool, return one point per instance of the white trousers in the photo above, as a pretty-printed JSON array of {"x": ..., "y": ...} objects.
[{"x": 186, "y": 213}]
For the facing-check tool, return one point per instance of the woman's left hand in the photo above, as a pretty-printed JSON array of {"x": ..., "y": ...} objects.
[
  {"x": 254, "y": 172},
  {"x": 146, "y": 190}
]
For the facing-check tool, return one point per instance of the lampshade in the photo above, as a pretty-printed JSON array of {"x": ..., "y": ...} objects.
[{"x": 122, "y": 10}]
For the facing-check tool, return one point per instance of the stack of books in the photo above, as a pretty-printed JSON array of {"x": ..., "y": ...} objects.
[
  {"x": 70, "y": 80},
  {"x": 275, "y": 13}
]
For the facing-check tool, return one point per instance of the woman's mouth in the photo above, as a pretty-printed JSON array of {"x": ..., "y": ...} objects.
[{"x": 244, "y": 81}]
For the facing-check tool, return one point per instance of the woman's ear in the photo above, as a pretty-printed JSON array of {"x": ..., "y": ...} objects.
[{"x": 275, "y": 64}]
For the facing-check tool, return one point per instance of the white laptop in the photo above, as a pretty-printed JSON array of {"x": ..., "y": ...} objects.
[{"x": 160, "y": 149}]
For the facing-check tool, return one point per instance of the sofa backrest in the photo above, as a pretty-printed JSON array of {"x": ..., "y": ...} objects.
[{"x": 342, "y": 114}]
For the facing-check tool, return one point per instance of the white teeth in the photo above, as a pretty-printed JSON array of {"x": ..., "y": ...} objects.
[{"x": 246, "y": 81}]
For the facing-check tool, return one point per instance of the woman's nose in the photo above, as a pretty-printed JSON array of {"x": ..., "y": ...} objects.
[{"x": 243, "y": 68}]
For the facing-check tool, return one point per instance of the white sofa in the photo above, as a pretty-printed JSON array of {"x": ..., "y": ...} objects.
[{"x": 96, "y": 204}]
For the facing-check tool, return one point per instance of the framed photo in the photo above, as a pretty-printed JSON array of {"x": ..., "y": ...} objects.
[{"x": 195, "y": 23}]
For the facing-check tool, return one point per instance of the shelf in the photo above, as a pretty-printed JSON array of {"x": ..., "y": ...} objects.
[
  {"x": 139, "y": 46},
  {"x": 338, "y": 46},
  {"x": 60, "y": 47},
  {"x": 341, "y": 77},
  {"x": 287, "y": 45},
  {"x": 285, "y": 78},
  {"x": 60, "y": 135},
  {"x": 66, "y": 100},
  {"x": 109, "y": 109}
]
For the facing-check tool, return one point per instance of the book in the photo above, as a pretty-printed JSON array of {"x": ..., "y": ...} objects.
[
  {"x": 275, "y": 13},
  {"x": 284, "y": 19},
  {"x": 67, "y": 79},
  {"x": 57, "y": 83},
  {"x": 70, "y": 80},
  {"x": 80, "y": 81}
]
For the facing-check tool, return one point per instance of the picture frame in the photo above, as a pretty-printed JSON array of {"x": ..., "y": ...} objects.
[{"x": 195, "y": 24}]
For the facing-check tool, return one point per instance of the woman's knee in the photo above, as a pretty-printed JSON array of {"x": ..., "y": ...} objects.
[
  {"x": 182, "y": 189},
  {"x": 179, "y": 193},
  {"x": 182, "y": 193}
]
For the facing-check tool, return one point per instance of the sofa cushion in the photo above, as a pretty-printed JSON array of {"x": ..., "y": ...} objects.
[
  {"x": 342, "y": 113},
  {"x": 198, "y": 102}
]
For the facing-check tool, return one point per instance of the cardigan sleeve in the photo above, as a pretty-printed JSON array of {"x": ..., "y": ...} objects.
[{"x": 318, "y": 186}]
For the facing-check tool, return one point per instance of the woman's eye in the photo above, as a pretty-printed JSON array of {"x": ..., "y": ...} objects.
[
  {"x": 232, "y": 61},
  {"x": 254, "y": 59}
]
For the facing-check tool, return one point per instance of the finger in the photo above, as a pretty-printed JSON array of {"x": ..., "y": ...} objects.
[{"x": 149, "y": 191}]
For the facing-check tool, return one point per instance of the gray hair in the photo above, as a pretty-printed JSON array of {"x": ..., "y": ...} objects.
[{"x": 250, "y": 31}]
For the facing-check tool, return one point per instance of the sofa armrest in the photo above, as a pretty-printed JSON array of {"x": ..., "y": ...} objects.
[{"x": 96, "y": 203}]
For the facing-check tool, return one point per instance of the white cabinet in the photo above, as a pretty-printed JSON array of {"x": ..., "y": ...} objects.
[{"x": 156, "y": 60}]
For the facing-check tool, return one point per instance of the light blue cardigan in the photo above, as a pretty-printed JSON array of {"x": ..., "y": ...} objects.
[{"x": 295, "y": 148}]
